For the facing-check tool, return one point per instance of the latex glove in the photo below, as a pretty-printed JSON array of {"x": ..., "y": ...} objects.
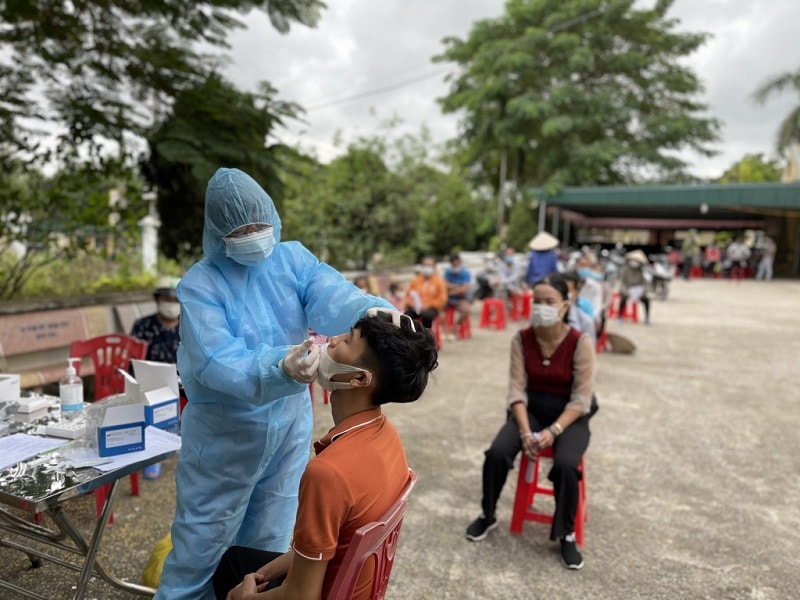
[
  {"x": 299, "y": 366},
  {"x": 395, "y": 314}
]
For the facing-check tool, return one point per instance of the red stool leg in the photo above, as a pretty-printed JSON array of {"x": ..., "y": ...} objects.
[
  {"x": 134, "y": 484},
  {"x": 465, "y": 331},
  {"x": 436, "y": 328},
  {"x": 613, "y": 311},
  {"x": 581, "y": 515}
]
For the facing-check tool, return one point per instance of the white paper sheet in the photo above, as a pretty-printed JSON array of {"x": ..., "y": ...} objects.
[
  {"x": 156, "y": 441},
  {"x": 20, "y": 446}
]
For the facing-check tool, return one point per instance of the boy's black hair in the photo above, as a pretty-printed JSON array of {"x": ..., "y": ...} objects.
[{"x": 400, "y": 358}]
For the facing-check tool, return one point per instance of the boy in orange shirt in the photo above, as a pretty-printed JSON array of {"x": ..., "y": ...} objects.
[{"x": 360, "y": 468}]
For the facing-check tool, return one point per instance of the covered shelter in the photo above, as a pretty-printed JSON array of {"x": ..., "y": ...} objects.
[{"x": 663, "y": 210}]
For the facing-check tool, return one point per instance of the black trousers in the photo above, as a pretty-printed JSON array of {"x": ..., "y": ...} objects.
[
  {"x": 565, "y": 475},
  {"x": 237, "y": 562},
  {"x": 427, "y": 315}
]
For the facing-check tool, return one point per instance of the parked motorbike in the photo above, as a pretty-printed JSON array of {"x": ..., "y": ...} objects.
[{"x": 660, "y": 275}]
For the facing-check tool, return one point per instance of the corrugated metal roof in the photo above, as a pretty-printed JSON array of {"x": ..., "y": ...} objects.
[{"x": 753, "y": 195}]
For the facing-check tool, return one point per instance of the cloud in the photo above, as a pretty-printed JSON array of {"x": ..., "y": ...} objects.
[{"x": 363, "y": 45}]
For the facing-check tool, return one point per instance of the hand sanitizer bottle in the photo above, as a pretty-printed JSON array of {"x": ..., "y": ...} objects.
[{"x": 71, "y": 392}]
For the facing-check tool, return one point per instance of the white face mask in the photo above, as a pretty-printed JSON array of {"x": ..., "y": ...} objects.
[
  {"x": 169, "y": 310},
  {"x": 426, "y": 271},
  {"x": 329, "y": 367},
  {"x": 250, "y": 249},
  {"x": 543, "y": 315}
]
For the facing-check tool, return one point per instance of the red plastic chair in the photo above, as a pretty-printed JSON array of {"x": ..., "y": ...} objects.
[
  {"x": 109, "y": 353},
  {"x": 464, "y": 330},
  {"x": 521, "y": 305},
  {"x": 378, "y": 539},
  {"x": 493, "y": 313},
  {"x": 527, "y": 488}
]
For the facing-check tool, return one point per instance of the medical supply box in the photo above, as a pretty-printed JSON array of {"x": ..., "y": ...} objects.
[
  {"x": 156, "y": 387},
  {"x": 122, "y": 430},
  {"x": 9, "y": 387}
]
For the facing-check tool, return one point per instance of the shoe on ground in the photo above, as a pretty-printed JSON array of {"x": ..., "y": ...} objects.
[
  {"x": 480, "y": 527},
  {"x": 153, "y": 471},
  {"x": 569, "y": 552}
]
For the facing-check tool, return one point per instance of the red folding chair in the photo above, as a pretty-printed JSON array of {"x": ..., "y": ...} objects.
[
  {"x": 378, "y": 539},
  {"x": 109, "y": 353}
]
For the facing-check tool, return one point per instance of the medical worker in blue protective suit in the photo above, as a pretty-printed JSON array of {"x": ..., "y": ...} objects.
[{"x": 245, "y": 362}]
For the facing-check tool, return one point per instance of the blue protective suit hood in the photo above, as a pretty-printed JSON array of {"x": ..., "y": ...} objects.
[{"x": 233, "y": 199}]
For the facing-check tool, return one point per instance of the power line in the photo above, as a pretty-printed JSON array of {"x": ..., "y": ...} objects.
[
  {"x": 381, "y": 90},
  {"x": 401, "y": 84}
]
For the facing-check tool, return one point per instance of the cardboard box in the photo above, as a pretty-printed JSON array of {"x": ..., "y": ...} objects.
[
  {"x": 9, "y": 387},
  {"x": 121, "y": 431},
  {"x": 156, "y": 387}
]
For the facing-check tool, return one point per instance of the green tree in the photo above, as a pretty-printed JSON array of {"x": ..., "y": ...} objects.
[
  {"x": 789, "y": 130},
  {"x": 84, "y": 206},
  {"x": 522, "y": 225},
  {"x": 384, "y": 197},
  {"x": 753, "y": 168},
  {"x": 576, "y": 92},
  {"x": 91, "y": 68},
  {"x": 211, "y": 125}
]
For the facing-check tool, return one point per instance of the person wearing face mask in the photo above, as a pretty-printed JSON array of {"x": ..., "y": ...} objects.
[
  {"x": 160, "y": 330},
  {"x": 246, "y": 361},
  {"x": 426, "y": 294},
  {"x": 458, "y": 280},
  {"x": 549, "y": 403},
  {"x": 360, "y": 466},
  {"x": 633, "y": 285}
]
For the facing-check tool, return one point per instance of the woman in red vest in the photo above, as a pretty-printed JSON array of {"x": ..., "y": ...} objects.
[{"x": 549, "y": 401}]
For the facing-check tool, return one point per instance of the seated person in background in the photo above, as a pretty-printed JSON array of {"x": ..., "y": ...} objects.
[
  {"x": 459, "y": 282},
  {"x": 509, "y": 275},
  {"x": 426, "y": 294},
  {"x": 579, "y": 317},
  {"x": 632, "y": 284},
  {"x": 360, "y": 468},
  {"x": 397, "y": 296},
  {"x": 160, "y": 330},
  {"x": 362, "y": 283}
]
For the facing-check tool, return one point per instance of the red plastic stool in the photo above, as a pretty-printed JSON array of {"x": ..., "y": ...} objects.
[
  {"x": 631, "y": 311},
  {"x": 521, "y": 306},
  {"x": 436, "y": 329},
  {"x": 613, "y": 310},
  {"x": 493, "y": 313},
  {"x": 602, "y": 342},
  {"x": 464, "y": 330},
  {"x": 527, "y": 488},
  {"x": 696, "y": 272}
]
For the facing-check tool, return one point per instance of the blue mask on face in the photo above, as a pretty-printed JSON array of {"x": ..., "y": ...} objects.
[
  {"x": 584, "y": 273},
  {"x": 251, "y": 249}
]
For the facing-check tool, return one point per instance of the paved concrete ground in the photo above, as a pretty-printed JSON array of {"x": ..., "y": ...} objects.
[{"x": 692, "y": 471}]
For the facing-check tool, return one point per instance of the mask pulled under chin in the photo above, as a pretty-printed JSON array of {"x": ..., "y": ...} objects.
[{"x": 329, "y": 367}]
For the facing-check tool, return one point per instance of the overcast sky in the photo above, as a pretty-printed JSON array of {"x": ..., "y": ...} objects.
[{"x": 362, "y": 46}]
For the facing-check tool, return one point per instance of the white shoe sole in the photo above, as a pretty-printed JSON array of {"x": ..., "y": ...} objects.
[{"x": 478, "y": 538}]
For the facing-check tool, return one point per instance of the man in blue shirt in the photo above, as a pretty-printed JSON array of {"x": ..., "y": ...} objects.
[
  {"x": 543, "y": 260},
  {"x": 459, "y": 296}
]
